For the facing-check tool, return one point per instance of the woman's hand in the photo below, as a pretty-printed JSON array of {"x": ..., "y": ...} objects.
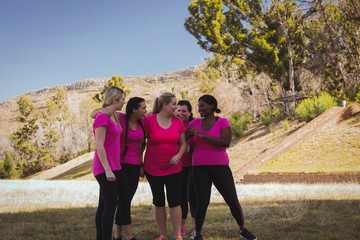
[
  {"x": 194, "y": 131},
  {"x": 174, "y": 160},
  {"x": 110, "y": 176}
]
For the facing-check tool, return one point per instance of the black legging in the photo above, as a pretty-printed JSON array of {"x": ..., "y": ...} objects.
[
  {"x": 106, "y": 207},
  {"x": 172, "y": 183},
  {"x": 128, "y": 184},
  {"x": 187, "y": 192},
  {"x": 223, "y": 180}
]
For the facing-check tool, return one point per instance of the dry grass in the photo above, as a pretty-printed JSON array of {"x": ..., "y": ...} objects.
[
  {"x": 268, "y": 220},
  {"x": 334, "y": 150}
]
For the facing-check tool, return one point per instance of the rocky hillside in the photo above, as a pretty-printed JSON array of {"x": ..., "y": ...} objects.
[{"x": 183, "y": 83}]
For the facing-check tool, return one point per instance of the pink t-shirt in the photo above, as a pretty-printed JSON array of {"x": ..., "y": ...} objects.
[
  {"x": 162, "y": 145},
  {"x": 111, "y": 144},
  {"x": 134, "y": 141},
  {"x": 206, "y": 153}
]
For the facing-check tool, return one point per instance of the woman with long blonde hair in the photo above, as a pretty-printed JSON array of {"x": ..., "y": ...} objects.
[{"x": 106, "y": 165}]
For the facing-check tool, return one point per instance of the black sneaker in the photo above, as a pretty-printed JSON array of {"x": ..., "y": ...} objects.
[
  {"x": 198, "y": 237},
  {"x": 247, "y": 234}
]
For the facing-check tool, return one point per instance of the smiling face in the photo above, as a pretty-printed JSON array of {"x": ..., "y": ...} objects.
[
  {"x": 183, "y": 112},
  {"x": 140, "y": 111},
  {"x": 204, "y": 108},
  {"x": 170, "y": 107}
]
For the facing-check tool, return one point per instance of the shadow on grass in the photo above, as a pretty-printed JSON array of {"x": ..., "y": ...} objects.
[{"x": 268, "y": 220}]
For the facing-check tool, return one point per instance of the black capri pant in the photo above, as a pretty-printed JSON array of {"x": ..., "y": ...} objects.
[
  {"x": 172, "y": 183},
  {"x": 128, "y": 184},
  {"x": 223, "y": 180},
  {"x": 187, "y": 192},
  {"x": 107, "y": 206}
]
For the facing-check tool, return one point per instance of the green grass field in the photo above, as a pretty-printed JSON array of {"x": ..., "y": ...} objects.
[{"x": 269, "y": 220}]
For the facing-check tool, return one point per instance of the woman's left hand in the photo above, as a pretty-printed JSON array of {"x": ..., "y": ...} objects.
[{"x": 174, "y": 160}]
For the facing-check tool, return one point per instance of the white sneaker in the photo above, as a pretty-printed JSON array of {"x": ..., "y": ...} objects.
[{"x": 192, "y": 235}]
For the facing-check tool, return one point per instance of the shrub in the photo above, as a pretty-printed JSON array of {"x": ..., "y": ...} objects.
[
  {"x": 7, "y": 166},
  {"x": 239, "y": 123},
  {"x": 357, "y": 98},
  {"x": 268, "y": 116},
  {"x": 286, "y": 124},
  {"x": 310, "y": 108}
]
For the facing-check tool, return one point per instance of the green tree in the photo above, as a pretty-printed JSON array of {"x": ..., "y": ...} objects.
[
  {"x": 334, "y": 45},
  {"x": 24, "y": 138},
  {"x": 249, "y": 36},
  {"x": 54, "y": 122},
  {"x": 278, "y": 43},
  {"x": 117, "y": 81}
]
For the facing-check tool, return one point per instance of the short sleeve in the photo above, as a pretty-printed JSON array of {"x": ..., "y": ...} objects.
[
  {"x": 101, "y": 120},
  {"x": 225, "y": 123},
  {"x": 182, "y": 126}
]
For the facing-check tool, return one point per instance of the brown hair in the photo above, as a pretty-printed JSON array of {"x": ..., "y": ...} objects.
[
  {"x": 110, "y": 94},
  {"x": 164, "y": 98}
]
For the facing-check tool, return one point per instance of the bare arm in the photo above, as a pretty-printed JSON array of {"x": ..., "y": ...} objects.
[
  {"x": 182, "y": 143},
  {"x": 100, "y": 134},
  {"x": 100, "y": 110},
  {"x": 224, "y": 140}
]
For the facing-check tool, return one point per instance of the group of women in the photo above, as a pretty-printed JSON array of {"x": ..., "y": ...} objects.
[{"x": 180, "y": 151}]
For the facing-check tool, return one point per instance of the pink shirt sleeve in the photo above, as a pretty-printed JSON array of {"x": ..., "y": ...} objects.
[{"x": 206, "y": 153}]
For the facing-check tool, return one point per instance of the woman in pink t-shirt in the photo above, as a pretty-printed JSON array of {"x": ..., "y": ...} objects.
[
  {"x": 106, "y": 165},
  {"x": 131, "y": 149},
  {"x": 212, "y": 135},
  {"x": 132, "y": 146},
  {"x": 165, "y": 147},
  {"x": 184, "y": 111}
]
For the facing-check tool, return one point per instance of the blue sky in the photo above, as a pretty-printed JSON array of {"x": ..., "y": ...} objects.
[{"x": 45, "y": 43}]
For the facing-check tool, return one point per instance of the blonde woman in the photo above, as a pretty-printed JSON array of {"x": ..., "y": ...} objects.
[
  {"x": 106, "y": 165},
  {"x": 165, "y": 146}
]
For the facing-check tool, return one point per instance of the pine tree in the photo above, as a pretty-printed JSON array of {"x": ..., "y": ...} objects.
[
  {"x": 24, "y": 138},
  {"x": 117, "y": 81}
]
